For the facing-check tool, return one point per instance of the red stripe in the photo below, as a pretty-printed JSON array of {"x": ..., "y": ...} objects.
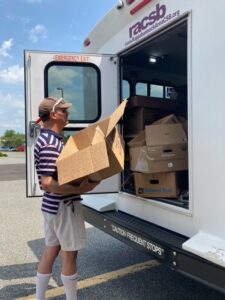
[
  {"x": 130, "y": 1},
  {"x": 139, "y": 6},
  {"x": 38, "y": 121}
]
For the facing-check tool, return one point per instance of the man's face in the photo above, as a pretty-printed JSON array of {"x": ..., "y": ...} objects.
[{"x": 61, "y": 115}]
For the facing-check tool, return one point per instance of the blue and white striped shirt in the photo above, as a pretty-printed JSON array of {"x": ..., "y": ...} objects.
[{"x": 48, "y": 146}]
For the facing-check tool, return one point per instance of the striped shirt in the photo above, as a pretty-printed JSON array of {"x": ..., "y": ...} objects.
[{"x": 48, "y": 146}]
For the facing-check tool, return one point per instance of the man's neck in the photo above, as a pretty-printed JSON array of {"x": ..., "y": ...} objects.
[{"x": 52, "y": 127}]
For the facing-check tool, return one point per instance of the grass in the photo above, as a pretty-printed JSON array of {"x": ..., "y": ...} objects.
[{"x": 3, "y": 154}]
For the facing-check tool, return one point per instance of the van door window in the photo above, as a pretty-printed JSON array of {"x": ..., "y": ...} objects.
[{"x": 78, "y": 84}]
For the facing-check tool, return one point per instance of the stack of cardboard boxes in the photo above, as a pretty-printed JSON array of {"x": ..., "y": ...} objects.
[{"x": 156, "y": 154}]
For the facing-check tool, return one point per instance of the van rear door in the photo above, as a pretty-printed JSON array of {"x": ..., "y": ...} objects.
[{"x": 88, "y": 81}]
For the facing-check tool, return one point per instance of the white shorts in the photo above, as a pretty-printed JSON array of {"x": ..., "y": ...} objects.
[{"x": 67, "y": 228}]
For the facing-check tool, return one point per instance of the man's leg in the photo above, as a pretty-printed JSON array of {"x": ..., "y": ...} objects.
[
  {"x": 69, "y": 274},
  {"x": 45, "y": 270}
]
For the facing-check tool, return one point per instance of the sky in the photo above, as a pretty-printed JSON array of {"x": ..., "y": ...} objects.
[{"x": 48, "y": 25}]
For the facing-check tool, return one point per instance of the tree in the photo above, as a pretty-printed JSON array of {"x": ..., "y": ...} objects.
[{"x": 13, "y": 139}]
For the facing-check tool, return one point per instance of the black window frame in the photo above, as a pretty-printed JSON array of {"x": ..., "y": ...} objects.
[
  {"x": 99, "y": 94},
  {"x": 149, "y": 83}
]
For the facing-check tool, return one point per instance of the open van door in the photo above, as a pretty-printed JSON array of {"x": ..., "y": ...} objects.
[{"x": 88, "y": 81}]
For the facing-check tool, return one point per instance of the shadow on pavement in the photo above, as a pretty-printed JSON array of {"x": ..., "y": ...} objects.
[
  {"x": 18, "y": 271},
  {"x": 15, "y": 291},
  {"x": 95, "y": 258}
]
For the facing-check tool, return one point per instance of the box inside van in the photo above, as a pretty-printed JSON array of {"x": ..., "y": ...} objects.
[{"x": 155, "y": 121}]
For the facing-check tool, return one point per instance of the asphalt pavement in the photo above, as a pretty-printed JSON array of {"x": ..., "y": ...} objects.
[{"x": 108, "y": 269}]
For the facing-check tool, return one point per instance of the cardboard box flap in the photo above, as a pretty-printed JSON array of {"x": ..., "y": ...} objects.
[
  {"x": 106, "y": 125},
  {"x": 98, "y": 136},
  {"x": 116, "y": 145},
  {"x": 165, "y": 134},
  {"x": 102, "y": 125},
  {"x": 138, "y": 140},
  {"x": 69, "y": 148},
  {"x": 79, "y": 141},
  {"x": 170, "y": 119},
  {"x": 116, "y": 116}
]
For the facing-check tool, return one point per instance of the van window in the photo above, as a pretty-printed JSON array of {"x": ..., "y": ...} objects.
[
  {"x": 141, "y": 89},
  {"x": 125, "y": 89},
  {"x": 156, "y": 91},
  {"x": 170, "y": 92},
  {"x": 78, "y": 84}
]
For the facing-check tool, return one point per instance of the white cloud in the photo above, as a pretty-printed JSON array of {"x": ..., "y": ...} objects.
[
  {"x": 12, "y": 74},
  {"x": 39, "y": 32},
  {"x": 5, "y": 47},
  {"x": 11, "y": 112},
  {"x": 8, "y": 101}
]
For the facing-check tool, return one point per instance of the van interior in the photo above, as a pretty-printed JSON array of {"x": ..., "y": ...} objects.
[{"x": 156, "y": 72}]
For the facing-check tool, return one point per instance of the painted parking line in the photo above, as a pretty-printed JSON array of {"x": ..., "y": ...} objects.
[{"x": 99, "y": 279}]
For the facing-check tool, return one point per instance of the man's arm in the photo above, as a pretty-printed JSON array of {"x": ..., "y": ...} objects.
[{"x": 51, "y": 186}]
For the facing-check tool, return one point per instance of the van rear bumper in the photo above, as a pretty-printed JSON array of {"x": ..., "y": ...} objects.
[{"x": 164, "y": 245}]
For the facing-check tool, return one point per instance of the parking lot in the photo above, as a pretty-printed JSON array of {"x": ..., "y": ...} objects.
[{"x": 108, "y": 269}]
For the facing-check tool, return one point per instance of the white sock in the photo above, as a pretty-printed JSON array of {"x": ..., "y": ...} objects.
[
  {"x": 70, "y": 286},
  {"x": 42, "y": 281}
]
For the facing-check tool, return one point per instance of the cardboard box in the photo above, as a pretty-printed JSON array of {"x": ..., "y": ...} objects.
[
  {"x": 152, "y": 102},
  {"x": 166, "y": 134},
  {"x": 161, "y": 185},
  {"x": 170, "y": 119},
  {"x": 141, "y": 160},
  {"x": 96, "y": 151},
  {"x": 165, "y": 150},
  {"x": 184, "y": 123},
  {"x": 138, "y": 140},
  {"x": 136, "y": 119},
  {"x": 173, "y": 151}
]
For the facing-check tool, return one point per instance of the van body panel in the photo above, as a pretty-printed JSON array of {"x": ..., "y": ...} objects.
[{"x": 188, "y": 39}]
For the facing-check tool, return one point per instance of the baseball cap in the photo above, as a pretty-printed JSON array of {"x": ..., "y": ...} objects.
[{"x": 49, "y": 104}]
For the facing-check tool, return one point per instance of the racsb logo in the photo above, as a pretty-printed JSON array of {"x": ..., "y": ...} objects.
[{"x": 158, "y": 13}]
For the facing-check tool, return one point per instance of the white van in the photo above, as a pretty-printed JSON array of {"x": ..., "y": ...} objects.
[{"x": 171, "y": 52}]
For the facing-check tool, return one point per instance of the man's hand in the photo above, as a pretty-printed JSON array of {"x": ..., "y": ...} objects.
[
  {"x": 51, "y": 186},
  {"x": 87, "y": 186}
]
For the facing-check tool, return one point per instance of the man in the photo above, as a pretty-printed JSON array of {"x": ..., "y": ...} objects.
[{"x": 61, "y": 207}]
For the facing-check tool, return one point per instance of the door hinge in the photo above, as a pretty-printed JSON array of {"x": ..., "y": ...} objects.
[
  {"x": 113, "y": 59},
  {"x": 34, "y": 129}
]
